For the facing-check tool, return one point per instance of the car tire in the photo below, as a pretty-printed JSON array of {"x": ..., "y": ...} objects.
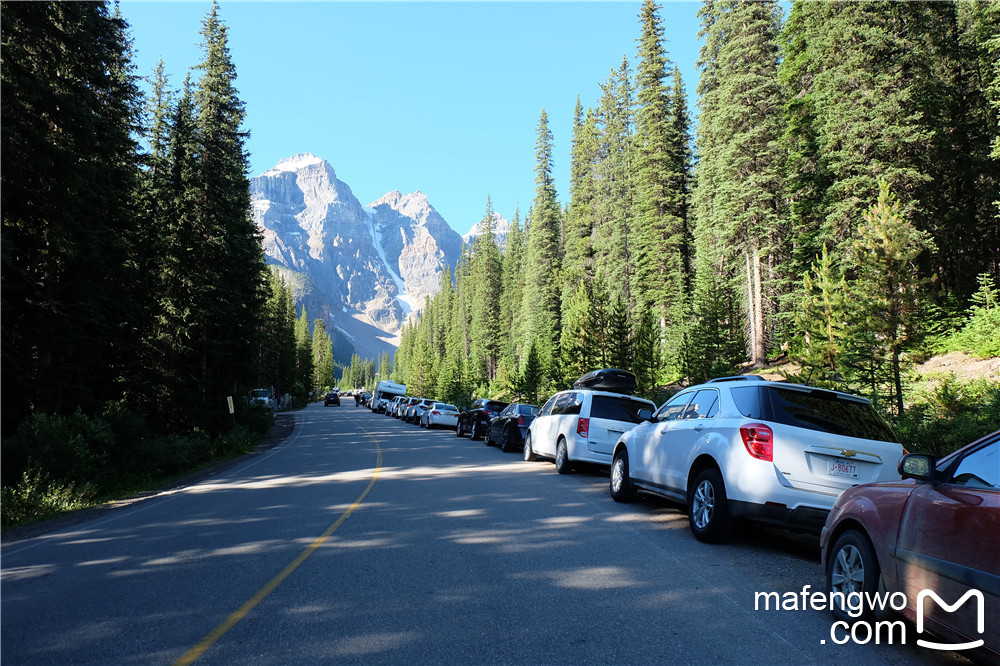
[
  {"x": 563, "y": 465},
  {"x": 474, "y": 431},
  {"x": 708, "y": 508},
  {"x": 621, "y": 484},
  {"x": 529, "y": 454},
  {"x": 458, "y": 428},
  {"x": 504, "y": 443},
  {"x": 852, "y": 567}
]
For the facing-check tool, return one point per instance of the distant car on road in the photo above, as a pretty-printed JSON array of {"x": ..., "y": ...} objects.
[
  {"x": 508, "y": 428},
  {"x": 938, "y": 530},
  {"x": 332, "y": 398}
]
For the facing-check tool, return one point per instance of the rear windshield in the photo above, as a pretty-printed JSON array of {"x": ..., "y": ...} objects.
[
  {"x": 494, "y": 406},
  {"x": 617, "y": 409},
  {"x": 527, "y": 410},
  {"x": 827, "y": 412}
]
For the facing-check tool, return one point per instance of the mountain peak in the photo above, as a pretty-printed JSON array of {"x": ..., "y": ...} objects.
[{"x": 296, "y": 163}]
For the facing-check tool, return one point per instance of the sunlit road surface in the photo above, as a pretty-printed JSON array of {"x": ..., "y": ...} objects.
[{"x": 361, "y": 539}]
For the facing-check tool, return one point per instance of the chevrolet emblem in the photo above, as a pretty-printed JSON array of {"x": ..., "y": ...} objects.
[{"x": 848, "y": 453}]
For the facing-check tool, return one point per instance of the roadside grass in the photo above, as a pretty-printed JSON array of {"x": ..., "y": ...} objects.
[{"x": 72, "y": 463}]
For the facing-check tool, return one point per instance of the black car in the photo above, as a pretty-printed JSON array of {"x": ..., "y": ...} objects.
[
  {"x": 332, "y": 398},
  {"x": 508, "y": 428},
  {"x": 476, "y": 418}
]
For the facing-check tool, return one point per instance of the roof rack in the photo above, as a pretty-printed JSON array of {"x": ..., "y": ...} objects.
[{"x": 737, "y": 378}]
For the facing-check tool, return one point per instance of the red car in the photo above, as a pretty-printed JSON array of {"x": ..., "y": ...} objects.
[{"x": 932, "y": 540}]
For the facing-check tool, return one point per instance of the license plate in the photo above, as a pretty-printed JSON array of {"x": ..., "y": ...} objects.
[{"x": 841, "y": 467}]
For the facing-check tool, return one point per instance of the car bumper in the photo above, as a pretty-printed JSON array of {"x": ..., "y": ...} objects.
[{"x": 801, "y": 519}]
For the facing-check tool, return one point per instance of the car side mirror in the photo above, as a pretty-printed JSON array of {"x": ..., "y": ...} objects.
[
  {"x": 919, "y": 466},
  {"x": 646, "y": 414}
]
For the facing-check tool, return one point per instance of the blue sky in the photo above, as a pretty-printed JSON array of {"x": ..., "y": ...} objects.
[{"x": 441, "y": 97}]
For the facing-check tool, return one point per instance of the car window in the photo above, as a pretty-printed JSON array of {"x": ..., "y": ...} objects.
[
  {"x": 747, "y": 399},
  {"x": 704, "y": 405},
  {"x": 508, "y": 410},
  {"x": 827, "y": 411},
  {"x": 494, "y": 406},
  {"x": 547, "y": 407},
  {"x": 980, "y": 468},
  {"x": 527, "y": 410},
  {"x": 564, "y": 404},
  {"x": 673, "y": 408},
  {"x": 617, "y": 408},
  {"x": 574, "y": 403}
]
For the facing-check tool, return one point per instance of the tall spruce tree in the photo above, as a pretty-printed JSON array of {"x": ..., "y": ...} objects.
[
  {"x": 661, "y": 245},
  {"x": 540, "y": 302},
  {"x": 234, "y": 282},
  {"x": 741, "y": 119},
  {"x": 614, "y": 194},
  {"x": 72, "y": 239}
]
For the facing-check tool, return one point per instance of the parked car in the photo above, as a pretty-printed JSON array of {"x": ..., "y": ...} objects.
[
  {"x": 401, "y": 406},
  {"x": 416, "y": 410},
  {"x": 747, "y": 448},
  {"x": 937, "y": 530},
  {"x": 582, "y": 425},
  {"x": 508, "y": 428},
  {"x": 332, "y": 398},
  {"x": 476, "y": 418},
  {"x": 439, "y": 415}
]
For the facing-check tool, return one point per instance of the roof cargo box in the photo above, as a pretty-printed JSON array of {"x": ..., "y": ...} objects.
[{"x": 608, "y": 379}]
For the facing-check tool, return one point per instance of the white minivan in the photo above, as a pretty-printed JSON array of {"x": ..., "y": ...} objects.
[{"x": 583, "y": 425}]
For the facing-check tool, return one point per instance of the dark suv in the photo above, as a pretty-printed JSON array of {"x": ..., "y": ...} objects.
[{"x": 476, "y": 419}]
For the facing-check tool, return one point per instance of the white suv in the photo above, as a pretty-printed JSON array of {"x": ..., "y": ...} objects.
[
  {"x": 747, "y": 448},
  {"x": 582, "y": 425}
]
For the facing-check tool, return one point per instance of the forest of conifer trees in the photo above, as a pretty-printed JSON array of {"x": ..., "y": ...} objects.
[
  {"x": 836, "y": 203},
  {"x": 839, "y": 209}
]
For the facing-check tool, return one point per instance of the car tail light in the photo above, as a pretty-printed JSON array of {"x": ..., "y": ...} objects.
[
  {"x": 759, "y": 441},
  {"x": 583, "y": 428},
  {"x": 520, "y": 420},
  {"x": 436, "y": 413}
]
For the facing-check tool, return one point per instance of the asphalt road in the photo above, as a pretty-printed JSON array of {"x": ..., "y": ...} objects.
[{"x": 361, "y": 539}]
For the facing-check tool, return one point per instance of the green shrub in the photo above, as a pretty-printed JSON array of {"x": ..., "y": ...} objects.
[
  {"x": 73, "y": 448},
  {"x": 237, "y": 441},
  {"x": 952, "y": 415},
  {"x": 981, "y": 333},
  {"x": 34, "y": 497}
]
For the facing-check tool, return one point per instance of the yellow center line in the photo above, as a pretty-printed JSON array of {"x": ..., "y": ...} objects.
[{"x": 194, "y": 653}]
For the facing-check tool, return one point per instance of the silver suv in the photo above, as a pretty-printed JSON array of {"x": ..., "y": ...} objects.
[
  {"x": 747, "y": 448},
  {"x": 582, "y": 425}
]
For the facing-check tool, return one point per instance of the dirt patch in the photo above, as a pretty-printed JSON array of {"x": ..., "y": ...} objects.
[
  {"x": 964, "y": 366},
  {"x": 284, "y": 423}
]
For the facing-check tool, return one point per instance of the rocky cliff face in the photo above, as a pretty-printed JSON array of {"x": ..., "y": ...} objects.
[{"x": 363, "y": 269}]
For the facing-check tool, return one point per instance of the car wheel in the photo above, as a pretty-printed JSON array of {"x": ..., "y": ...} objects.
[
  {"x": 505, "y": 439},
  {"x": 529, "y": 455},
  {"x": 474, "y": 432},
  {"x": 621, "y": 484},
  {"x": 563, "y": 465},
  {"x": 458, "y": 428},
  {"x": 852, "y": 568},
  {"x": 708, "y": 508}
]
